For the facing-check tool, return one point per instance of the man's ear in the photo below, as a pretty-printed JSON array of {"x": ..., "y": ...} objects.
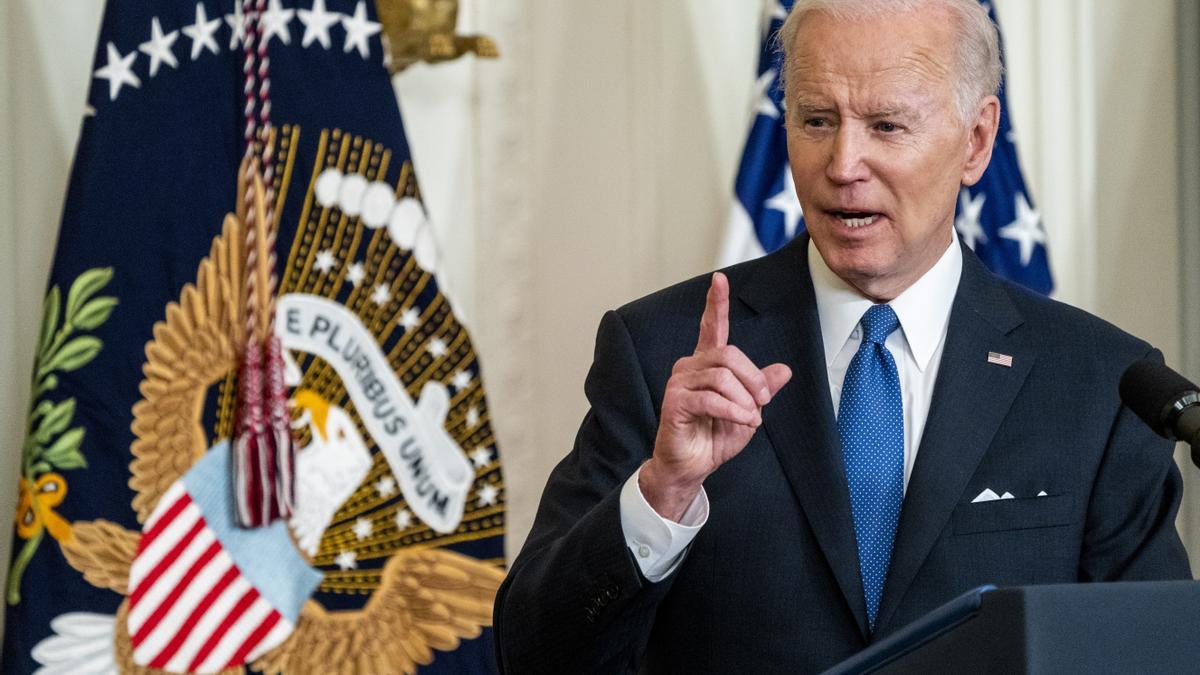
[{"x": 981, "y": 139}]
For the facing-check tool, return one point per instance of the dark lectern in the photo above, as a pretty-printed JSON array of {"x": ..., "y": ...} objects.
[{"x": 1134, "y": 627}]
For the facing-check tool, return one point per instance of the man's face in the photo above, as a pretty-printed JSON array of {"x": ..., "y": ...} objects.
[{"x": 877, "y": 147}]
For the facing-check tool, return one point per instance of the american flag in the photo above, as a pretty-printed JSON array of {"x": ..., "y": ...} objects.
[
  {"x": 198, "y": 598},
  {"x": 996, "y": 217},
  {"x": 999, "y": 359}
]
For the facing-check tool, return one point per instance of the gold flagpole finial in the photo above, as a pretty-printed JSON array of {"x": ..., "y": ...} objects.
[{"x": 423, "y": 30}]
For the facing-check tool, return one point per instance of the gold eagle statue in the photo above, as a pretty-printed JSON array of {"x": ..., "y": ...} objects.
[{"x": 423, "y": 30}]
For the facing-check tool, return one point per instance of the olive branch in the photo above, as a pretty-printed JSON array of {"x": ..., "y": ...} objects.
[{"x": 51, "y": 443}]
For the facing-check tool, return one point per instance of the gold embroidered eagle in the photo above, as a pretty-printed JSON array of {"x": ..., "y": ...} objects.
[{"x": 428, "y": 598}]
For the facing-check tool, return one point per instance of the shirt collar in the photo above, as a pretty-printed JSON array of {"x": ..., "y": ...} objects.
[{"x": 923, "y": 308}]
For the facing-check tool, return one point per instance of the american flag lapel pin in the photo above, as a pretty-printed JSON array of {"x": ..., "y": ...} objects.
[{"x": 1000, "y": 359}]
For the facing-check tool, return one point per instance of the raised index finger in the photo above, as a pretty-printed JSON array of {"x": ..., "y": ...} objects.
[{"x": 714, "y": 323}]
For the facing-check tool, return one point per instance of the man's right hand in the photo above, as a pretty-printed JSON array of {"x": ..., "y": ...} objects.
[{"x": 711, "y": 408}]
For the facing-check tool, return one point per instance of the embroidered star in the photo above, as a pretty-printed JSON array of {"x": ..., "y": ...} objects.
[
  {"x": 237, "y": 26},
  {"x": 461, "y": 380},
  {"x": 275, "y": 21},
  {"x": 410, "y": 318},
  {"x": 347, "y": 560},
  {"x": 437, "y": 348},
  {"x": 325, "y": 261},
  {"x": 787, "y": 203},
  {"x": 202, "y": 32},
  {"x": 765, "y": 105},
  {"x": 317, "y": 23},
  {"x": 363, "y": 528},
  {"x": 472, "y": 416},
  {"x": 386, "y": 486},
  {"x": 118, "y": 71},
  {"x": 359, "y": 30},
  {"x": 403, "y": 519},
  {"x": 356, "y": 274},
  {"x": 967, "y": 222},
  {"x": 488, "y": 494},
  {"x": 381, "y": 295},
  {"x": 158, "y": 47},
  {"x": 481, "y": 457},
  {"x": 1026, "y": 230}
]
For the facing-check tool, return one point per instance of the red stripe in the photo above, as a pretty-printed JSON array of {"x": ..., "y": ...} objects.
[
  {"x": 185, "y": 630},
  {"x": 164, "y": 564},
  {"x": 253, "y": 640},
  {"x": 163, "y": 521},
  {"x": 246, "y": 600},
  {"x": 165, "y": 606}
]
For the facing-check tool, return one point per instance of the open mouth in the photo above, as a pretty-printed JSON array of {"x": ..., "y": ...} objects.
[{"x": 855, "y": 219}]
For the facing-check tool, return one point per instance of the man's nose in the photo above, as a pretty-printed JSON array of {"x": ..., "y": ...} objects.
[{"x": 847, "y": 157}]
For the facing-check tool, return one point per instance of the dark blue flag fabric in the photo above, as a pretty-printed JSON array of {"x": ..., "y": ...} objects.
[
  {"x": 127, "y": 554},
  {"x": 996, "y": 217},
  {"x": 766, "y": 212}
]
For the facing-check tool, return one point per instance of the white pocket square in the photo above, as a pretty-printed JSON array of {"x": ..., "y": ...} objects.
[
  {"x": 990, "y": 495},
  {"x": 986, "y": 496}
]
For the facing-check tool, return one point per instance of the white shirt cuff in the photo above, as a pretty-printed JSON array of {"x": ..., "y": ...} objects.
[{"x": 658, "y": 544}]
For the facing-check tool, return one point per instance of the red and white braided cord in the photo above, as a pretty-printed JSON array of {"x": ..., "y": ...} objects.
[
  {"x": 263, "y": 463},
  {"x": 276, "y": 388},
  {"x": 250, "y": 136}
]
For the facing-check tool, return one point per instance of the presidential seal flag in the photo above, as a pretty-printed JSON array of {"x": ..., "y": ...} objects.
[
  {"x": 995, "y": 217},
  {"x": 258, "y": 439}
]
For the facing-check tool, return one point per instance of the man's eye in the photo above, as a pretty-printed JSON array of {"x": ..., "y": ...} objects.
[
  {"x": 816, "y": 123},
  {"x": 887, "y": 127}
]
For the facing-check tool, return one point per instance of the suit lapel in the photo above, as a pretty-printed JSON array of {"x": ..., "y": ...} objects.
[
  {"x": 970, "y": 400},
  {"x": 799, "y": 422}
]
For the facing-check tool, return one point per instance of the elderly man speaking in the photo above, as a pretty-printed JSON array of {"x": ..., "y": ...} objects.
[{"x": 789, "y": 460}]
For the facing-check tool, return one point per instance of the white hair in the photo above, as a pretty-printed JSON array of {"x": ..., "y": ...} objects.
[{"x": 977, "y": 68}]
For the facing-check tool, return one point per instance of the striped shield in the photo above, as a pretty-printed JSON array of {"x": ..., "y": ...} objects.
[{"x": 205, "y": 595}]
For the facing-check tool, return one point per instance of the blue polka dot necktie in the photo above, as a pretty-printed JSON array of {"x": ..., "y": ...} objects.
[{"x": 871, "y": 425}]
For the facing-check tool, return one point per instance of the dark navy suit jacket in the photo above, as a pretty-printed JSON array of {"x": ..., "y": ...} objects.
[{"x": 771, "y": 583}]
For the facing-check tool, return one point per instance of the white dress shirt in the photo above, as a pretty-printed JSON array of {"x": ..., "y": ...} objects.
[{"x": 659, "y": 544}]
